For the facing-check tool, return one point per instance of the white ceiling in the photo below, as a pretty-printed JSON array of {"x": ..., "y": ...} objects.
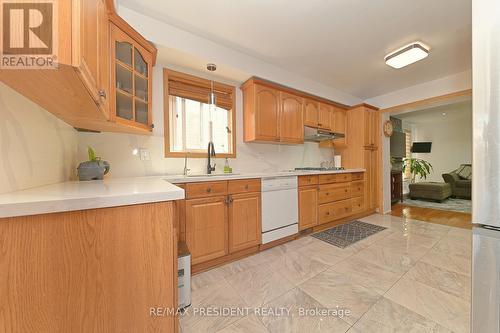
[
  {"x": 340, "y": 43},
  {"x": 452, "y": 112}
]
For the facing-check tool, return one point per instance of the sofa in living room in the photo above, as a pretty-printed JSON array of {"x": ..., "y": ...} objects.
[{"x": 460, "y": 181}]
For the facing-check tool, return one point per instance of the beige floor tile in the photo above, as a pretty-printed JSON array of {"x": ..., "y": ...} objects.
[
  {"x": 442, "y": 279},
  {"x": 300, "y": 317},
  {"x": 260, "y": 285},
  {"x": 398, "y": 261},
  {"x": 207, "y": 278},
  {"x": 387, "y": 317},
  {"x": 334, "y": 289},
  {"x": 326, "y": 253},
  {"x": 367, "y": 274},
  {"x": 454, "y": 247},
  {"x": 298, "y": 267},
  {"x": 408, "y": 239},
  {"x": 447, "y": 261},
  {"x": 445, "y": 309},
  {"x": 212, "y": 296},
  {"x": 248, "y": 324},
  {"x": 256, "y": 260}
]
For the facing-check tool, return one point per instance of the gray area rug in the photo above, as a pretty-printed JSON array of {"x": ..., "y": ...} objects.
[
  {"x": 451, "y": 204},
  {"x": 346, "y": 234}
]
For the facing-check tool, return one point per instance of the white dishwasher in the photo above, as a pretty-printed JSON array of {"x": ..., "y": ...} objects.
[{"x": 280, "y": 208}]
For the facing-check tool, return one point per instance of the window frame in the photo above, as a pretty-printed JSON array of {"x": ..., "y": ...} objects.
[{"x": 169, "y": 74}]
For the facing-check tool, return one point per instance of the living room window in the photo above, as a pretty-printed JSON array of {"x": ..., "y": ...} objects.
[
  {"x": 407, "y": 174},
  {"x": 188, "y": 116}
]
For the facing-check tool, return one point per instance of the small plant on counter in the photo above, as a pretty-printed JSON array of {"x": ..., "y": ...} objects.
[
  {"x": 93, "y": 169},
  {"x": 418, "y": 167}
]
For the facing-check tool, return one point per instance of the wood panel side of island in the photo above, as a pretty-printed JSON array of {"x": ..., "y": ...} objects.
[{"x": 97, "y": 270}]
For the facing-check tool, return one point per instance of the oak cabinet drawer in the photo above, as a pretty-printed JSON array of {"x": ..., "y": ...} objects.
[
  {"x": 334, "y": 211},
  {"x": 335, "y": 178},
  {"x": 205, "y": 189},
  {"x": 334, "y": 192},
  {"x": 357, "y": 188},
  {"x": 243, "y": 186},
  {"x": 358, "y": 204},
  {"x": 308, "y": 180},
  {"x": 357, "y": 176}
]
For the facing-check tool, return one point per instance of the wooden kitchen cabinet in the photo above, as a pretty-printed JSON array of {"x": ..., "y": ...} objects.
[
  {"x": 82, "y": 90},
  {"x": 262, "y": 113},
  {"x": 308, "y": 207},
  {"x": 324, "y": 116},
  {"x": 311, "y": 113},
  {"x": 220, "y": 220},
  {"x": 291, "y": 118},
  {"x": 131, "y": 83},
  {"x": 92, "y": 60},
  {"x": 363, "y": 150},
  {"x": 244, "y": 221},
  {"x": 206, "y": 228}
]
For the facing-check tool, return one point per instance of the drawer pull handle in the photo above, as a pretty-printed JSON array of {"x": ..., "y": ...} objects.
[
  {"x": 209, "y": 190},
  {"x": 327, "y": 213},
  {"x": 246, "y": 187},
  {"x": 345, "y": 190}
]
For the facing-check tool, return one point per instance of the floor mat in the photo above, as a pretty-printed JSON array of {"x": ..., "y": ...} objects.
[
  {"x": 451, "y": 204},
  {"x": 346, "y": 234}
]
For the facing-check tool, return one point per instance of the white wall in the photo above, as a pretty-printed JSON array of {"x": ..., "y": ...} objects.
[
  {"x": 451, "y": 145},
  {"x": 251, "y": 157},
  {"x": 36, "y": 147},
  {"x": 446, "y": 85}
]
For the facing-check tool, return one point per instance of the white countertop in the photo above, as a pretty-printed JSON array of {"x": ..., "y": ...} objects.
[
  {"x": 112, "y": 192},
  {"x": 70, "y": 196},
  {"x": 180, "y": 179}
]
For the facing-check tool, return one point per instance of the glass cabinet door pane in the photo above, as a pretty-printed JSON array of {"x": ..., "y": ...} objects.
[
  {"x": 124, "y": 106},
  {"x": 141, "y": 87},
  {"x": 123, "y": 79},
  {"x": 140, "y": 65},
  {"x": 124, "y": 52},
  {"x": 141, "y": 112}
]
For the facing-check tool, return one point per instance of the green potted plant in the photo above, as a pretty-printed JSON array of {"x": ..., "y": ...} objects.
[
  {"x": 93, "y": 169},
  {"x": 418, "y": 167}
]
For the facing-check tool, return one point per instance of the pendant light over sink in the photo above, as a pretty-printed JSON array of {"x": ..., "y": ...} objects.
[
  {"x": 407, "y": 55},
  {"x": 211, "y": 101}
]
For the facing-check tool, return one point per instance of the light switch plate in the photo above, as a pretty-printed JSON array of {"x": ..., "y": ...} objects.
[{"x": 144, "y": 154}]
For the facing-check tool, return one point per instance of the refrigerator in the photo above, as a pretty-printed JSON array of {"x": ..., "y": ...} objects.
[{"x": 486, "y": 166}]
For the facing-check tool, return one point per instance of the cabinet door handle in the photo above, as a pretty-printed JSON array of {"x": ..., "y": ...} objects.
[
  {"x": 246, "y": 187},
  {"x": 327, "y": 213},
  {"x": 102, "y": 93},
  {"x": 209, "y": 190}
]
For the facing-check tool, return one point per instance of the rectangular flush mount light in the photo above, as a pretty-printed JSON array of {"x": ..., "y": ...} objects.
[{"x": 407, "y": 55}]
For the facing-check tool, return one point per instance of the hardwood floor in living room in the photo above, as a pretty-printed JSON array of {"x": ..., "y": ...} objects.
[{"x": 454, "y": 219}]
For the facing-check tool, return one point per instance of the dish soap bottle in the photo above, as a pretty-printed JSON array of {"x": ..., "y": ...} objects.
[{"x": 227, "y": 169}]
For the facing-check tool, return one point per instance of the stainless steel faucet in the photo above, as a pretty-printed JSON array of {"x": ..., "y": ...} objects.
[
  {"x": 210, "y": 153},
  {"x": 186, "y": 166}
]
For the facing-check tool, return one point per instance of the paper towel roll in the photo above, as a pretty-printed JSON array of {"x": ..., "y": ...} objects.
[{"x": 337, "y": 161}]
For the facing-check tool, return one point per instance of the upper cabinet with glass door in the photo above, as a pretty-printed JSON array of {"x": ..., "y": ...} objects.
[{"x": 131, "y": 81}]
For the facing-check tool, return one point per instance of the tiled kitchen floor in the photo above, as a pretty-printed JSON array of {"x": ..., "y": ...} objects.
[{"x": 412, "y": 277}]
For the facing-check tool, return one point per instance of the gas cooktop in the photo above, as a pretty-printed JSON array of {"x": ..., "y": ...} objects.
[{"x": 318, "y": 169}]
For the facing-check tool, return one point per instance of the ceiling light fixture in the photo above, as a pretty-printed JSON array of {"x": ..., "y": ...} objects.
[{"x": 407, "y": 55}]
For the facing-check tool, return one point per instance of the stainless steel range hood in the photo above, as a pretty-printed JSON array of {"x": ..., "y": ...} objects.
[{"x": 317, "y": 135}]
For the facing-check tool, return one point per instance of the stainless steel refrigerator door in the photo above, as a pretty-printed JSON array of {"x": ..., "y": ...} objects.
[
  {"x": 486, "y": 112},
  {"x": 485, "y": 280}
]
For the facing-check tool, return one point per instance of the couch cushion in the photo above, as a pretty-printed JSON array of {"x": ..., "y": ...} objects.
[
  {"x": 465, "y": 171},
  {"x": 463, "y": 183}
]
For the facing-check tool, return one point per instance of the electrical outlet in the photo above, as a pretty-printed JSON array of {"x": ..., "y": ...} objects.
[{"x": 144, "y": 154}]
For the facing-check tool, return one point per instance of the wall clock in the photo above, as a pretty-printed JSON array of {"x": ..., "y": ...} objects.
[{"x": 388, "y": 128}]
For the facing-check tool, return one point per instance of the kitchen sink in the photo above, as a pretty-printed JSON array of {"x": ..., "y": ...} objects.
[{"x": 214, "y": 175}]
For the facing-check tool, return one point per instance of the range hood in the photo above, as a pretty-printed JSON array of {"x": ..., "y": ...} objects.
[{"x": 317, "y": 135}]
